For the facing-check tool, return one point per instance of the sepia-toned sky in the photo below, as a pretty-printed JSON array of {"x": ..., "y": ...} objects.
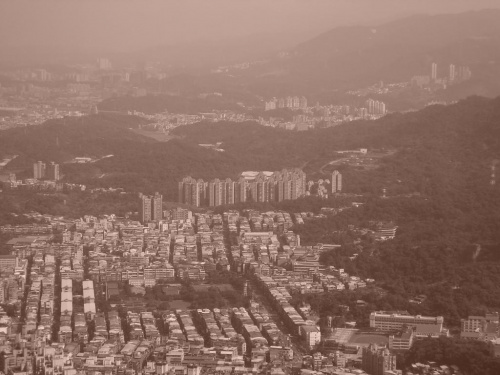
[{"x": 96, "y": 26}]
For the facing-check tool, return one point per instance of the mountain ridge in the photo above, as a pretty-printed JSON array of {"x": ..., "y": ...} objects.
[{"x": 353, "y": 57}]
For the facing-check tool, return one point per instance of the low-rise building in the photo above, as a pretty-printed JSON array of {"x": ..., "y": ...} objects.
[
  {"x": 423, "y": 326},
  {"x": 402, "y": 340}
]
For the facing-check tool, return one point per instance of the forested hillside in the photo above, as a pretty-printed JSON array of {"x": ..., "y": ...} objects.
[
  {"x": 439, "y": 150},
  {"x": 62, "y": 139}
]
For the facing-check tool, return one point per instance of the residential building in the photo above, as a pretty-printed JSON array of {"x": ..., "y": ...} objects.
[
  {"x": 434, "y": 72},
  {"x": 157, "y": 207},
  {"x": 146, "y": 209},
  {"x": 180, "y": 214},
  {"x": 377, "y": 361},
  {"x": 8, "y": 262},
  {"x": 311, "y": 334},
  {"x": 192, "y": 191},
  {"x": 480, "y": 327},
  {"x": 103, "y": 63},
  {"x": 303, "y": 103},
  {"x": 339, "y": 358},
  {"x": 402, "y": 340},
  {"x": 42, "y": 171},
  {"x": 151, "y": 208},
  {"x": 39, "y": 170},
  {"x": 452, "y": 73},
  {"x": 53, "y": 172},
  {"x": 336, "y": 181}
]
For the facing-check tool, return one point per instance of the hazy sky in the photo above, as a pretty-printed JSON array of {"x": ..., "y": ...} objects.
[{"x": 97, "y": 26}]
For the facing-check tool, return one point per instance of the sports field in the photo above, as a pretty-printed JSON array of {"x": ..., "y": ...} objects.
[
  {"x": 365, "y": 339},
  {"x": 343, "y": 335}
]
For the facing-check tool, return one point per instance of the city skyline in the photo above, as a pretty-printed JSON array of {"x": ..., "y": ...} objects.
[
  {"x": 250, "y": 187},
  {"x": 42, "y": 171}
]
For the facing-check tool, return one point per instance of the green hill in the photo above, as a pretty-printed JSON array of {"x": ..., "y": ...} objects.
[
  {"x": 437, "y": 148},
  {"x": 451, "y": 142},
  {"x": 63, "y": 139}
]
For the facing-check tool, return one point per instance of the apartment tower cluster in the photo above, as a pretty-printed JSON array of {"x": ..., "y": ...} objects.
[
  {"x": 250, "y": 187},
  {"x": 375, "y": 107},
  {"x": 293, "y": 102},
  {"x": 455, "y": 73},
  {"x": 151, "y": 209},
  {"x": 42, "y": 171}
]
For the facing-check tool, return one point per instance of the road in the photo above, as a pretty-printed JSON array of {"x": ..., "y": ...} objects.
[
  {"x": 298, "y": 349},
  {"x": 336, "y": 161}
]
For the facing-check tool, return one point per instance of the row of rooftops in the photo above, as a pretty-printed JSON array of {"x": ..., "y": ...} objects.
[
  {"x": 137, "y": 242},
  {"x": 290, "y": 315}
]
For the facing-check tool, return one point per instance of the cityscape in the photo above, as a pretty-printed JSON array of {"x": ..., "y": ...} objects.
[
  {"x": 245, "y": 188},
  {"x": 255, "y": 187},
  {"x": 80, "y": 92},
  {"x": 72, "y": 295}
]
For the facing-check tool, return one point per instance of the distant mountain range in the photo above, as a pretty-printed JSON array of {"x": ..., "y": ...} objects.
[
  {"x": 204, "y": 54},
  {"x": 350, "y": 57},
  {"x": 346, "y": 58}
]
